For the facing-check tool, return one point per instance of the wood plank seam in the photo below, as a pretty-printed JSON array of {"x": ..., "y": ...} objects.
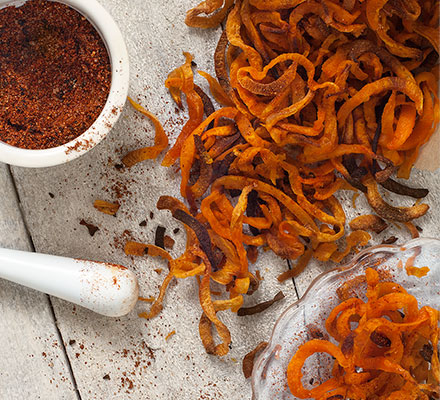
[
  {"x": 52, "y": 312},
  {"x": 63, "y": 347},
  {"x": 289, "y": 264}
]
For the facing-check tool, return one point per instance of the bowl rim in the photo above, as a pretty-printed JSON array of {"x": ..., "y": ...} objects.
[
  {"x": 112, "y": 37},
  {"x": 391, "y": 248}
]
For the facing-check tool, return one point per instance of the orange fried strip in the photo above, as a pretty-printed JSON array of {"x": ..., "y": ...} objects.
[
  {"x": 147, "y": 153},
  {"x": 106, "y": 207},
  {"x": 383, "y": 355},
  {"x": 315, "y": 97}
]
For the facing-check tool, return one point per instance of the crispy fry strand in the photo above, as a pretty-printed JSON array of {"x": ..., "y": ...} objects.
[
  {"x": 316, "y": 96},
  {"x": 376, "y": 358},
  {"x": 147, "y": 153},
  {"x": 387, "y": 211},
  {"x": 106, "y": 207}
]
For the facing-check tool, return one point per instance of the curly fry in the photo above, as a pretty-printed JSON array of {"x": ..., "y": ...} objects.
[
  {"x": 387, "y": 211},
  {"x": 368, "y": 222},
  {"x": 248, "y": 360},
  {"x": 378, "y": 356},
  {"x": 106, "y": 207},
  {"x": 316, "y": 96},
  {"x": 215, "y": 12},
  {"x": 147, "y": 153}
]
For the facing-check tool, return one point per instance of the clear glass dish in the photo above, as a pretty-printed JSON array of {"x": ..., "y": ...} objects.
[{"x": 269, "y": 379}]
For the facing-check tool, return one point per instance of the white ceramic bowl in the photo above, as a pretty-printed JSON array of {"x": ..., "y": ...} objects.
[{"x": 112, "y": 38}]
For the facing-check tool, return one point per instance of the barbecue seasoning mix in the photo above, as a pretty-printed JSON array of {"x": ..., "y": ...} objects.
[{"x": 54, "y": 74}]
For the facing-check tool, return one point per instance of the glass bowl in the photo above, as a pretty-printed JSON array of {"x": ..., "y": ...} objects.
[{"x": 269, "y": 380}]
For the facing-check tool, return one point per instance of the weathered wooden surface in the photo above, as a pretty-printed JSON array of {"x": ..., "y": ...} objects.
[
  {"x": 129, "y": 358},
  {"x": 33, "y": 364},
  {"x": 120, "y": 349}
]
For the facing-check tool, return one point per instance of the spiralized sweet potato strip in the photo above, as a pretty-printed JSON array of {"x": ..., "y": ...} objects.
[
  {"x": 248, "y": 360},
  {"x": 379, "y": 356},
  {"x": 209, "y": 317},
  {"x": 368, "y": 222},
  {"x": 106, "y": 207},
  {"x": 206, "y": 169},
  {"x": 384, "y": 210},
  {"x": 160, "y": 140},
  {"x": 377, "y": 21},
  {"x": 299, "y": 267},
  {"x": 294, "y": 374},
  {"x": 275, "y": 5},
  {"x": 315, "y": 96},
  {"x": 157, "y": 306},
  {"x": 185, "y": 84},
  {"x": 239, "y": 182},
  {"x": 429, "y": 33},
  {"x": 183, "y": 269},
  {"x": 188, "y": 148},
  {"x": 404, "y": 128},
  {"x": 215, "y": 11},
  {"x": 356, "y": 238},
  {"x": 399, "y": 188},
  {"x": 384, "y": 84},
  {"x": 217, "y": 91},
  {"x": 140, "y": 249},
  {"x": 261, "y": 306},
  {"x": 233, "y": 24},
  {"x": 236, "y": 228}
]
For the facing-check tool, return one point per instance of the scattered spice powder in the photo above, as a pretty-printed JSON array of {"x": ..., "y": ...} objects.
[
  {"x": 54, "y": 74},
  {"x": 316, "y": 333}
]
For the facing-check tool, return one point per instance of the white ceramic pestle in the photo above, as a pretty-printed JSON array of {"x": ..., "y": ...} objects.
[{"x": 107, "y": 289}]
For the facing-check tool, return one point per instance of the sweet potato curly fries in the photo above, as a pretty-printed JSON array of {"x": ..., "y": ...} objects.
[
  {"x": 315, "y": 96},
  {"x": 390, "y": 355}
]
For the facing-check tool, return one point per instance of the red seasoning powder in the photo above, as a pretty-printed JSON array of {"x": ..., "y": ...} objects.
[{"x": 54, "y": 74}]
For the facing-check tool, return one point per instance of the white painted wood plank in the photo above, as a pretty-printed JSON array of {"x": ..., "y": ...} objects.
[
  {"x": 32, "y": 361},
  {"x": 120, "y": 349},
  {"x": 178, "y": 368}
]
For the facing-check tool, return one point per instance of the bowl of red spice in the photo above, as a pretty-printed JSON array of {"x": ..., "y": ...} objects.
[{"x": 63, "y": 79}]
